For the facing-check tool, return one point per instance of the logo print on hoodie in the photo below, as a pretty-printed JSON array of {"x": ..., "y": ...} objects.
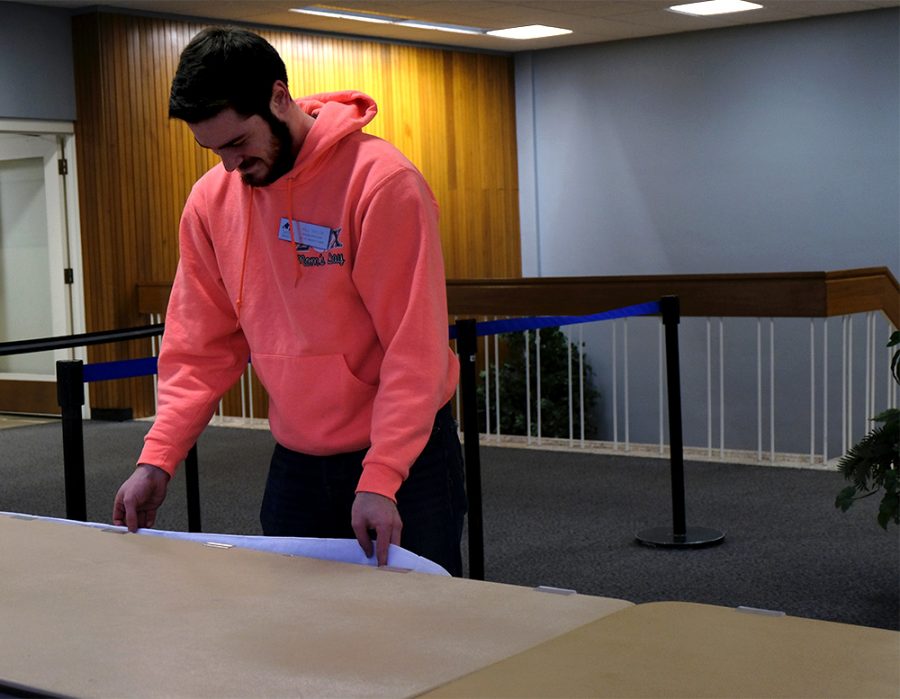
[{"x": 311, "y": 237}]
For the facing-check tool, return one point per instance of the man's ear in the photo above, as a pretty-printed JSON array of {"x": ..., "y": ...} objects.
[{"x": 281, "y": 99}]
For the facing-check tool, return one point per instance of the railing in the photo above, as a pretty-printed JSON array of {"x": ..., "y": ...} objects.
[
  {"x": 773, "y": 295},
  {"x": 805, "y": 335},
  {"x": 717, "y": 302}
]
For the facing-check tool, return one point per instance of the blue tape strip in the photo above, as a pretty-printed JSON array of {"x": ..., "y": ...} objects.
[
  {"x": 104, "y": 371},
  {"x": 495, "y": 327}
]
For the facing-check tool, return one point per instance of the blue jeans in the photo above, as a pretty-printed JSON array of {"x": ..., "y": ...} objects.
[{"x": 312, "y": 496}]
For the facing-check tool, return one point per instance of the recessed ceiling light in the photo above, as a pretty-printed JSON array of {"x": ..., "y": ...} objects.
[
  {"x": 715, "y": 7},
  {"x": 532, "y": 31}
]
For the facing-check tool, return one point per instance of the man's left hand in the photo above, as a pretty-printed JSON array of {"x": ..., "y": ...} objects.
[{"x": 373, "y": 512}]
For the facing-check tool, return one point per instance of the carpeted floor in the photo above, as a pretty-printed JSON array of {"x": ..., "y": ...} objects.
[{"x": 552, "y": 518}]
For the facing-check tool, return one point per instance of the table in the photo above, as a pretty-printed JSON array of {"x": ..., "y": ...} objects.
[
  {"x": 677, "y": 649},
  {"x": 88, "y": 612}
]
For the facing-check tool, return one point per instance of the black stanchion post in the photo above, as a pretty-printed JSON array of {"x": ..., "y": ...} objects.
[
  {"x": 70, "y": 396},
  {"x": 467, "y": 347},
  {"x": 671, "y": 316},
  {"x": 192, "y": 482},
  {"x": 679, "y": 535}
]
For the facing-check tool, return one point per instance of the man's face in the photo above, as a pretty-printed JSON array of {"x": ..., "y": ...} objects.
[{"x": 260, "y": 149}]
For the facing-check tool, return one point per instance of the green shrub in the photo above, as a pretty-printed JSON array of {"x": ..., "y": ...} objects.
[
  {"x": 872, "y": 464},
  {"x": 554, "y": 388}
]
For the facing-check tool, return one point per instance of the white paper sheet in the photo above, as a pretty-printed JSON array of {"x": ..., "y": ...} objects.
[{"x": 341, "y": 550}]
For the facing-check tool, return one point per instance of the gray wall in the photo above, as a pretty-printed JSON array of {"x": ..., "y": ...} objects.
[
  {"x": 36, "y": 68},
  {"x": 765, "y": 148},
  {"x": 754, "y": 149}
]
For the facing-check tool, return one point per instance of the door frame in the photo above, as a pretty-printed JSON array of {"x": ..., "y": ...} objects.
[{"x": 70, "y": 252}]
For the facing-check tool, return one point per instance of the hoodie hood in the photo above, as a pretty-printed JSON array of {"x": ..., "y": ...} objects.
[{"x": 337, "y": 114}]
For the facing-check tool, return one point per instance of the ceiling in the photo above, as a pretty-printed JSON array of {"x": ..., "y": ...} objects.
[{"x": 591, "y": 21}]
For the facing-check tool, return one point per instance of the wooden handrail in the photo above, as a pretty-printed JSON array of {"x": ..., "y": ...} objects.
[{"x": 764, "y": 295}]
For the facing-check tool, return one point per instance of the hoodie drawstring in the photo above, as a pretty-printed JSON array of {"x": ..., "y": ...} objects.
[
  {"x": 240, "y": 297},
  {"x": 294, "y": 238},
  {"x": 247, "y": 229}
]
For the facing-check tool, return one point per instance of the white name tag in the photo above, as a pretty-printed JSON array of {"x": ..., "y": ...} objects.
[{"x": 316, "y": 237}]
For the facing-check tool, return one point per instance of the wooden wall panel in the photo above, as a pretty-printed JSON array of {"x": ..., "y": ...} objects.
[{"x": 451, "y": 113}]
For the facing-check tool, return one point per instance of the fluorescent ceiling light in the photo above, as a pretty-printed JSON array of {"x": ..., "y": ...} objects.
[
  {"x": 454, "y": 28},
  {"x": 343, "y": 14},
  {"x": 532, "y": 31},
  {"x": 715, "y": 7}
]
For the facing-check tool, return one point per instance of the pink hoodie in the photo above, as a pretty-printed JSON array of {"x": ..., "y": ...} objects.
[{"x": 346, "y": 325}]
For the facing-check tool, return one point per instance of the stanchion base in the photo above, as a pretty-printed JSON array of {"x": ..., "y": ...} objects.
[{"x": 693, "y": 537}]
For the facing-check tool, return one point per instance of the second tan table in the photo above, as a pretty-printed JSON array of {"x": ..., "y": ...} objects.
[{"x": 678, "y": 649}]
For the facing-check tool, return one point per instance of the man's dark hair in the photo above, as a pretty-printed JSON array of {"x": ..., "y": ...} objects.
[{"x": 225, "y": 67}]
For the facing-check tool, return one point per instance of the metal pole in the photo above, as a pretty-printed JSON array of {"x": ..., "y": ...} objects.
[
  {"x": 671, "y": 317},
  {"x": 95, "y": 338},
  {"x": 679, "y": 535},
  {"x": 468, "y": 348},
  {"x": 192, "y": 481},
  {"x": 70, "y": 396}
]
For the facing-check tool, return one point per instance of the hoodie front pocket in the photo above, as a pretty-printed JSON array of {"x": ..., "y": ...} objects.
[{"x": 315, "y": 399}]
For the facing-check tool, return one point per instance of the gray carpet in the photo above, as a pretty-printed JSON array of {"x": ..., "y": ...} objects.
[{"x": 551, "y": 518}]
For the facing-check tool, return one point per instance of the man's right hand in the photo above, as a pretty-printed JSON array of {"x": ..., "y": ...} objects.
[{"x": 140, "y": 497}]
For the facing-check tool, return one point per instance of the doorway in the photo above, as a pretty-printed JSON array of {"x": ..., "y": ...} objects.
[{"x": 40, "y": 263}]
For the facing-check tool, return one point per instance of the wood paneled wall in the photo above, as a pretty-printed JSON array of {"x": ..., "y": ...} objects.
[{"x": 451, "y": 113}]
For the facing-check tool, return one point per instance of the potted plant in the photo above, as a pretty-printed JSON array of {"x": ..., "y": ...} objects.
[{"x": 872, "y": 465}]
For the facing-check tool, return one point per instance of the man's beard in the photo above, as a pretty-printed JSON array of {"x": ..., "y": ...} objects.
[{"x": 281, "y": 154}]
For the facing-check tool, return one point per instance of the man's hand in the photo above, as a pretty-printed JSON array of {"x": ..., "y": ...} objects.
[
  {"x": 373, "y": 512},
  {"x": 140, "y": 497}
]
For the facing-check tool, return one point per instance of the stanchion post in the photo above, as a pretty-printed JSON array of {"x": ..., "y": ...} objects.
[
  {"x": 679, "y": 535},
  {"x": 467, "y": 347},
  {"x": 671, "y": 316},
  {"x": 70, "y": 396},
  {"x": 192, "y": 483}
]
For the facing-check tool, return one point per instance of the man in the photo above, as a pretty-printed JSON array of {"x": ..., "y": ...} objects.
[{"x": 313, "y": 248}]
